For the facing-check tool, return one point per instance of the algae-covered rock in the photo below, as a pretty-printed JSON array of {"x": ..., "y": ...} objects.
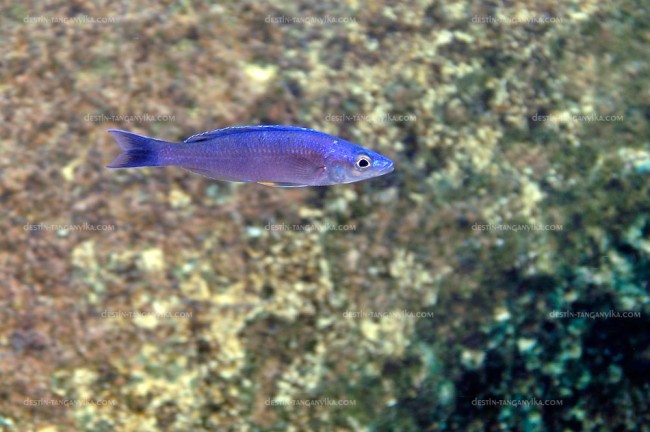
[{"x": 504, "y": 262}]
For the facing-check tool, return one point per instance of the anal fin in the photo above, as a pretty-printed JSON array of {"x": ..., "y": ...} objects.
[
  {"x": 281, "y": 184},
  {"x": 210, "y": 175}
]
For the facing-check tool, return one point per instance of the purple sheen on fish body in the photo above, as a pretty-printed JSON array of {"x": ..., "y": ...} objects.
[{"x": 281, "y": 156}]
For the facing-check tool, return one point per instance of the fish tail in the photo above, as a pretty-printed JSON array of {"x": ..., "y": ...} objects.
[{"x": 137, "y": 150}]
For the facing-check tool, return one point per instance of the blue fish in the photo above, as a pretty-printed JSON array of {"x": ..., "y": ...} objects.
[{"x": 279, "y": 156}]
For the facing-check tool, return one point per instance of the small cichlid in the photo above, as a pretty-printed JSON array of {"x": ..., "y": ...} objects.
[{"x": 280, "y": 156}]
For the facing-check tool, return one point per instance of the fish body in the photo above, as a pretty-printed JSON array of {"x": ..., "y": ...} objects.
[{"x": 281, "y": 156}]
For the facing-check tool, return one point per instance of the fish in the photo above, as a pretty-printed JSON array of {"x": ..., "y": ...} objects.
[{"x": 271, "y": 155}]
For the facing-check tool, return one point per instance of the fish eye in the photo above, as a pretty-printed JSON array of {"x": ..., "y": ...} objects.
[{"x": 363, "y": 162}]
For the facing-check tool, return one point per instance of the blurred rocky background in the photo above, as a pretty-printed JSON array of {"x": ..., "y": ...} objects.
[{"x": 173, "y": 303}]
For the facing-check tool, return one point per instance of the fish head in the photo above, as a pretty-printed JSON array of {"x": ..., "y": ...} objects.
[{"x": 355, "y": 163}]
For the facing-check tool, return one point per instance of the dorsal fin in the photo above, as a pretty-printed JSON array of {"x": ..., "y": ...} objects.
[{"x": 218, "y": 133}]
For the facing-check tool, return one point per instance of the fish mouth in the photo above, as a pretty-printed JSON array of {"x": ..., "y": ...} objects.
[{"x": 384, "y": 167}]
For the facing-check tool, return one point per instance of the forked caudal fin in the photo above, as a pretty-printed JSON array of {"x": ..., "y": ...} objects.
[{"x": 138, "y": 150}]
